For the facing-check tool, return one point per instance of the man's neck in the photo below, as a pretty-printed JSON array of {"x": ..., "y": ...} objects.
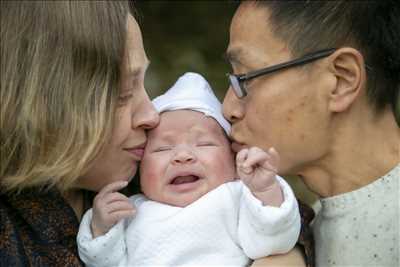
[{"x": 361, "y": 152}]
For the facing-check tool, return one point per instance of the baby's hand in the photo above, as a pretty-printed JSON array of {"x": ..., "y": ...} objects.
[
  {"x": 257, "y": 169},
  {"x": 110, "y": 206}
]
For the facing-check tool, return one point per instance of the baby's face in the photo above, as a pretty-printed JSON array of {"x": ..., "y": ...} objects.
[{"x": 186, "y": 156}]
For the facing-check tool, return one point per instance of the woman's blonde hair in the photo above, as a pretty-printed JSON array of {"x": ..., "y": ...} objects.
[{"x": 60, "y": 69}]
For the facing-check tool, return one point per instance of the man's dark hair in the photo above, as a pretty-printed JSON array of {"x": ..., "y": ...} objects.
[{"x": 371, "y": 27}]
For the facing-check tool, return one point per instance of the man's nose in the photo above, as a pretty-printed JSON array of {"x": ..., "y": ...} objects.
[
  {"x": 183, "y": 155},
  {"x": 232, "y": 107}
]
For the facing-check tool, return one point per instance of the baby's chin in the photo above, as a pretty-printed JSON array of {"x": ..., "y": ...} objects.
[
  {"x": 186, "y": 199},
  {"x": 181, "y": 200}
]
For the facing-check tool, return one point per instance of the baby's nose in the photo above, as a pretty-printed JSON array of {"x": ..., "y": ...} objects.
[{"x": 184, "y": 155}]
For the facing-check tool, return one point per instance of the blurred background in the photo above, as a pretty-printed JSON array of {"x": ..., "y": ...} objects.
[{"x": 181, "y": 36}]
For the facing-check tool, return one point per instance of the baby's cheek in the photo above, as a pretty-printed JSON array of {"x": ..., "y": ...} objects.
[
  {"x": 225, "y": 170},
  {"x": 149, "y": 178},
  {"x": 229, "y": 166}
]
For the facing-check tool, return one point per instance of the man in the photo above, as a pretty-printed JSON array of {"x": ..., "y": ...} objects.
[{"x": 329, "y": 110}]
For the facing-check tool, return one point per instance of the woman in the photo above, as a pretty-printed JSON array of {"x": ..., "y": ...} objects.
[{"x": 73, "y": 117}]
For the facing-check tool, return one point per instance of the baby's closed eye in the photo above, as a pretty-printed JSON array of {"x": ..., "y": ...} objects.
[
  {"x": 162, "y": 149},
  {"x": 207, "y": 144}
]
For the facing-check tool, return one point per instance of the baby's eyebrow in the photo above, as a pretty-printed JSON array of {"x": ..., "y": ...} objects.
[
  {"x": 165, "y": 136},
  {"x": 199, "y": 130},
  {"x": 209, "y": 133}
]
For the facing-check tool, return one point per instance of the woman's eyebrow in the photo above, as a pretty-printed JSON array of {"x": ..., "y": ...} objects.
[{"x": 135, "y": 71}]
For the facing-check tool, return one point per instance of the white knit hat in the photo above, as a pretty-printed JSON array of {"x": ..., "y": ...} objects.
[{"x": 192, "y": 91}]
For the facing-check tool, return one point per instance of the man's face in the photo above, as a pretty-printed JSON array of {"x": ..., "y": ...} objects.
[
  {"x": 186, "y": 156},
  {"x": 287, "y": 109}
]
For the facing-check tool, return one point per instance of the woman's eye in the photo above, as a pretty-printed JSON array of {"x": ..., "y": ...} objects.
[{"x": 123, "y": 99}]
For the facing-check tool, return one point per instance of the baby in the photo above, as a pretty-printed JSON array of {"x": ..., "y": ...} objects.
[{"x": 193, "y": 210}]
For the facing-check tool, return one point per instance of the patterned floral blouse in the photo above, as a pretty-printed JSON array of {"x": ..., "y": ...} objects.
[{"x": 40, "y": 228}]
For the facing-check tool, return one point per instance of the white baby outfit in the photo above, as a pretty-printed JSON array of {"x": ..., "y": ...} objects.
[{"x": 225, "y": 227}]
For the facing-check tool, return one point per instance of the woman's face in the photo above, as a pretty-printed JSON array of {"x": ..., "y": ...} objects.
[{"x": 135, "y": 113}]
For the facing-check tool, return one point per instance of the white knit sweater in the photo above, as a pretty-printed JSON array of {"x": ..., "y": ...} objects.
[
  {"x": 360, "y": 228},
  {"x": 227, "y": 226}
]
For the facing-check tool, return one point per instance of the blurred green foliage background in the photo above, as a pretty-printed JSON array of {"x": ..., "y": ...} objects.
[{"x": 181, "y": 36}]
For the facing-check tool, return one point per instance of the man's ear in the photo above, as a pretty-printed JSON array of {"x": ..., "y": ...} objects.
[{"x": 347, "y": 64}]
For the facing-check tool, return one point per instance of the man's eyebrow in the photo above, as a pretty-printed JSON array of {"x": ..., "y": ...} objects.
[
  {"x": 233, "y": 55},
  {"x": 241, "y": 57}
]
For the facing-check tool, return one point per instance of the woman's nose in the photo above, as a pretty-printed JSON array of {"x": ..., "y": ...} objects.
[
  {"x": 232, "y": 107},
  {"x": 148, "y": 118}
]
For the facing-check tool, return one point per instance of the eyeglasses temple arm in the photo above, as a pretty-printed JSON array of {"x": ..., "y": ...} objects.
[{"x": 296, "y": 62}]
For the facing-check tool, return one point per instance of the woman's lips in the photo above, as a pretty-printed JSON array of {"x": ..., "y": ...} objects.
[{"x": 137, "y": 151}]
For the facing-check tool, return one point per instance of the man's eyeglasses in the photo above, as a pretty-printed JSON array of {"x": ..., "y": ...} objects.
[{"x": 237, "y": 81}]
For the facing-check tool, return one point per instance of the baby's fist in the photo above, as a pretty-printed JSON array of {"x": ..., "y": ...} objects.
[{"x": 257, "y": 168}]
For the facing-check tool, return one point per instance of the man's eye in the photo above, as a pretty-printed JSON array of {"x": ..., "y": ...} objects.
[{"x": 247, "y": 84}]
